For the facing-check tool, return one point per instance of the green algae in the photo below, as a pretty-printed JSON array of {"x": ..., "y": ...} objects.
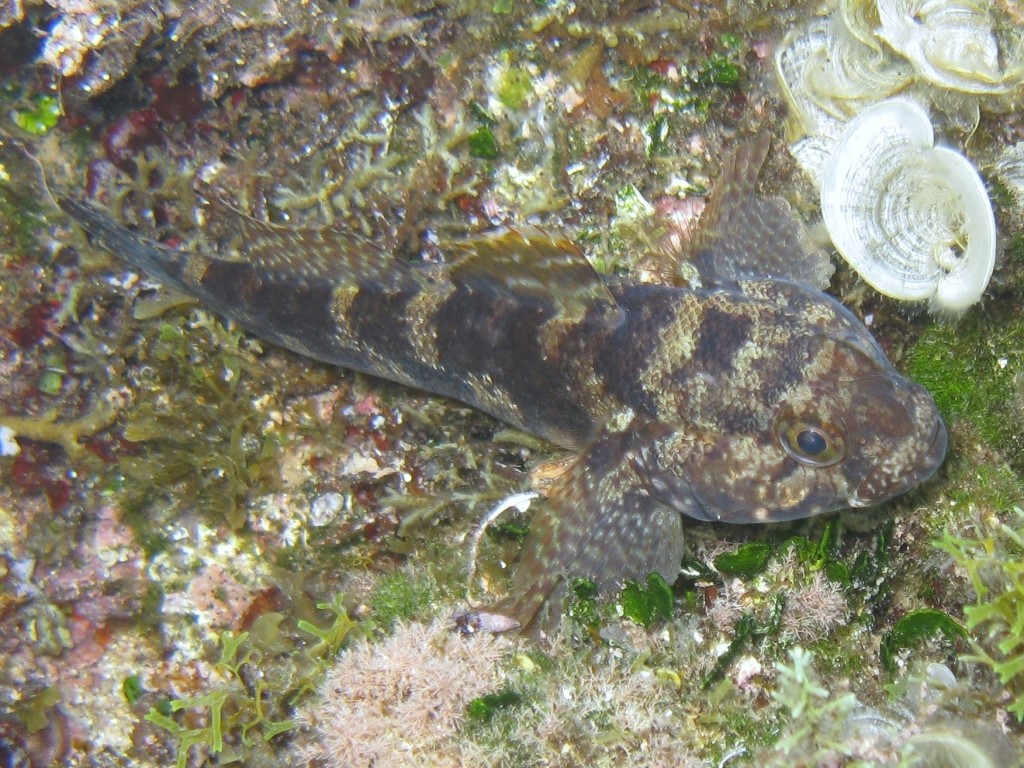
[
  {"x": 994, "y": 563},
  {"x": 657, "y": 136},
  {"x": 647, "y": 603},
  {"x": 515, "y": 88},
  {"x": 69, "y": 433},
  {"x": 331, "y": 638},
  {"x": 482, "y": 143},
  {"x": 40, "y": 116},
  {"x": 230, "y": 711},
  {"x": 581, "y": 606},
  {"x": 748, "y": 560},
  {"x": 977, "y": 487},
  {"x": 927, "y": 718},
  {"x": 262, "y": 676},
  {"x": 486, "y": 707},
  {"x": 215, "y": 451},
  {"x": 815, "y": 717},
  {"x": 973, "y": 370},
  {"x": 34, "y": 712},
  {"x": 132, "y": 689},
  {"x": 720, "y": 69},
  {"x": 401, "y": 596},
  {"x": 914, "y": 628},
  {"x": 746, "y": 630},
  {"x": 700, "y": 88},
  {"x": 838, "y": 656},
  {"x": 50, "y": 382}
]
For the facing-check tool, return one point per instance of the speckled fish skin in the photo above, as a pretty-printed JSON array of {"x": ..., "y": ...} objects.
[{"x": 753, "y": 398}]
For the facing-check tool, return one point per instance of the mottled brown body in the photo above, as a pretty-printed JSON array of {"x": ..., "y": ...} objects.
[{"x": 752, "y": 397}]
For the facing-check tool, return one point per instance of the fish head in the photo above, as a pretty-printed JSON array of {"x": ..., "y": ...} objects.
[
  {"x": 815, "y": 419},
  {"x": 855, "y": 434}
]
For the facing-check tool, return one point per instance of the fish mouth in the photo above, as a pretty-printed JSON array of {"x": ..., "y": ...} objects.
[{"x": 901, "y": 473}]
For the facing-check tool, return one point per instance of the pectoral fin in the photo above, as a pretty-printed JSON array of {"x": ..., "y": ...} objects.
[{"x": 599, "y": 523}]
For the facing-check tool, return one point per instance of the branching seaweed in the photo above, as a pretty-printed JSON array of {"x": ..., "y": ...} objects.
[
  {"x": 257, "y": 692},
  {"x": 995, "y": 566},
  {"x": 213, "y": 451}
]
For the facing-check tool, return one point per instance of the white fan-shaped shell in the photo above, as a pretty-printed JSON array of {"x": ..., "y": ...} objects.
[
  {"x": 860, "y": 17},
  {"x": 812, "y": 154},
  {"x": 847, "y": 75},
  {"x": 950, "y": 43},
  {"x": 792, "y": 58},
  {"x": 828, "y": 74},
  {"x": 914, "y": 220}
]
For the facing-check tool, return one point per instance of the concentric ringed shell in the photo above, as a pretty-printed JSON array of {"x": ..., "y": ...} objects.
[
  {"x": 827, "y": 74},
  {"x": 951, "y": 44},
  {"x": 914, "y": 220}
]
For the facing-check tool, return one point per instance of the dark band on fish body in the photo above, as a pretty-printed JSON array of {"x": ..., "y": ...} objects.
[
  {"x": 649, "y": 311},
  {"x": 378, "y": 316},
  {"x": 721, "y": 336}
]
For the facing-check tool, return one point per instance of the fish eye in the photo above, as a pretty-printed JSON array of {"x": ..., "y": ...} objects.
[
  {"x": 814, "y": 445},
  {"x": 811, "y": 442}
]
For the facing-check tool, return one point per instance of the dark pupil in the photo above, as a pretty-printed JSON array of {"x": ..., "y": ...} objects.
[{"x": 811, "y": 442}]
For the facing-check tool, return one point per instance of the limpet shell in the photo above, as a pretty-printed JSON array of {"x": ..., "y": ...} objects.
[
  {"x": 914, "y": 220},
  {"x": 792, "y": 57},
  {"x": 860, "y": 17},
  {"x": 847, "y": 75}
]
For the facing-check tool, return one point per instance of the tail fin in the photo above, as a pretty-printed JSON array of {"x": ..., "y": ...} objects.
[{"x": 156, "y": 260}]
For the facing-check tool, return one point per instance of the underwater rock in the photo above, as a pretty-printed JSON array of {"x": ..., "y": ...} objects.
[
  {"x": 1010, "y": 170},
  {"x": 98, "y": 45},
  {"x": 11, "y": 13},
  {"x": 914, "y": 220},
  {"x": 225, "y": 45}
]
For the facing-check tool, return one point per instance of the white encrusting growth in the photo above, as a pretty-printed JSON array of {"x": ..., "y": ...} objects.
[{"x": 951, "y": 44}]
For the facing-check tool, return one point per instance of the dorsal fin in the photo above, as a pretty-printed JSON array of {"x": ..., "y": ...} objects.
[
  {"x": 744, "y": 236},
  {"x": 155, "y": 259},
  {"x": 305, "y": 253},
  {"x": 530, "y": 262},
  {"x": 521, "y": 262}
]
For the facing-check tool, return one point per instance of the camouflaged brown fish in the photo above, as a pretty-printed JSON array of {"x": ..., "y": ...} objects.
[{"x": 751, "y": 398}]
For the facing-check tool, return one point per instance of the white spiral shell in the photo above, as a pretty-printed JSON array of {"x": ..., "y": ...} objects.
[{"x": 913, "y": 219}]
